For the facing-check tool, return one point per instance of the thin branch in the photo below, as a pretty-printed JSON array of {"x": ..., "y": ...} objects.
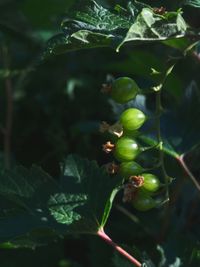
[
  {"x": 196, "y": 56},
  {"x": 159, "y": 111},
  {"x": 181, "y": 161},
  {"x": 108, "y": 240},
  {"x": 127, "y": 213},
  {"x": 133, "y": 218}
]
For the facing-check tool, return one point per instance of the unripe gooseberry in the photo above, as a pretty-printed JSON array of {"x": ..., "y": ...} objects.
[
  {"x": 143, "y": 201},
  {"x": 124, "y": 89},
  {"x": 126, "y": 149},
  {"x": 132, "y": 119},
  {"x": 151, "y": 182},
  {"x": 130, "y": 168}
]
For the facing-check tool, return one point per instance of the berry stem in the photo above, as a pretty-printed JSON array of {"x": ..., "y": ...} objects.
[
  {"x": 108, "y": 240},
  {"x": 159, "y": 110},
  {"x": 160, "y": 142}
]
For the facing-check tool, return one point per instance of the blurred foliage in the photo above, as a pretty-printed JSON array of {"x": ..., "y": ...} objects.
[{"x": 58, "y": 107}]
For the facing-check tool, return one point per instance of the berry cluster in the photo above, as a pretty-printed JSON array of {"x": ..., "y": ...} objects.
[{"x": 139, "y": 187}]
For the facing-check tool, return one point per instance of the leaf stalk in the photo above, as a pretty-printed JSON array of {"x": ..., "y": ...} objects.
[{"x": 109, "y": 241}]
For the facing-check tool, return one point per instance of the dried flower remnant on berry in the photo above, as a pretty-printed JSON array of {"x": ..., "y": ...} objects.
[
  {"x": 129, "y": 192},
  {"x": 136, "y": 181},
  {"x": 108, "y": 147},
  {"x": 106, "y": 88},
  {"x": 115, "y": 129},
  {"x": 159, "y": 10},
  {"x": 112, "y": 168}
]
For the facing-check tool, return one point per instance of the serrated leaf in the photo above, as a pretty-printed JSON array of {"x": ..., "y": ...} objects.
[
  {"x": 35, "y": 209},
  {"x": 151, "y": 27},
  {"x": 62, "y": 207},
  {"x": 97, "y": 18},
  {"x": 22, "y": 182},
  {"x": 23, "y": 196},
  {"x": 82, "y": 39},
  {"x": 94, "y": 184},
  {"x": 95, "y": 26}
]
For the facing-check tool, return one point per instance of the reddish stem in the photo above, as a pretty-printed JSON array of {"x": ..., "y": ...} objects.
[
  {"x": 196, "y": 56},
  {"x": 108, "y": 240},
  {"x": 187, "y": 171}
]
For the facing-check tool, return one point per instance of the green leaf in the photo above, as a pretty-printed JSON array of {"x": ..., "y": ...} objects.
[
  {"x": 82, "y": 39},
  {"x": 95, "y": 17},
  {"x": 62, "y": 207},
  {"x": 96, "y": 189},
  {"x": 95, "y": 26},
  {"x": 194, "y": 3},
  {"x": 180, "y": 43},
  {"x": 35, "y": 209},
  {"x": 23, "y": 197},
  {"x": 151, "y": 27}
]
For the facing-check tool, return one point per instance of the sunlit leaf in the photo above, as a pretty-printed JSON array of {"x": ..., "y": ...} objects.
[{"x": 95, "y": 26}]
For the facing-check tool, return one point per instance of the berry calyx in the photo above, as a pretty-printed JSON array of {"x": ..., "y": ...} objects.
[
  {"x": 112, "y": 168},
  {"x": 136, "y": 181},
  {"x": 129, "y": 192},
  {"x": 124, "y": 89},
  {"x": 132, "y": 119},
  {"x": 115, "y": 129},
  {"x": 126, "y": 149},
  {"x": 130, "y": 168},
  {"x": 108, "y": 147}
]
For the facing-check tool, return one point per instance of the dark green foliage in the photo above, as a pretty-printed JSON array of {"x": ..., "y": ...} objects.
[
  {"x": 55, "y": 81},
  {"x": 97, "y": 26},
  {"x": 41, "y": 209}
]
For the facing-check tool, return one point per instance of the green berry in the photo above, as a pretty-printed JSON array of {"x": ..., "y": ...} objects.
[
  {"x": 143, "y": 201},
  {"x": 124, "y": 89},
  {"x": 132, "y": 119},
  {"x": 151, "y": 182},
  {"x": 126, "y": 149},
  {"x": 130, "y": 168}
]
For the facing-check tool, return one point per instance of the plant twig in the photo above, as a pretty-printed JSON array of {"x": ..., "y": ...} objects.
[
  {"x": 159, "y": 138},
  {"x": 133, "y": 218},
  {"x": 159, "y": 110},
  {"x": 127, "y": 213},
  {"x": 181, "y": 161},
  {"x": 108, "y": 240}
]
